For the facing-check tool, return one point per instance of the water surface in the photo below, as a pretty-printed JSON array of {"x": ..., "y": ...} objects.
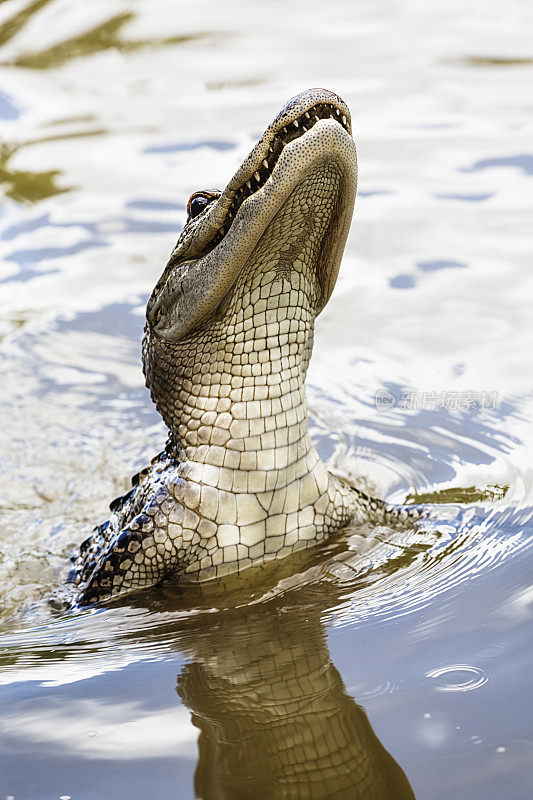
[{"x": 402, "y": 671}]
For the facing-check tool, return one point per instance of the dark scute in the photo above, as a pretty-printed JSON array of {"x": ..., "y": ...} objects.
[{"x": 118, "y": 502}]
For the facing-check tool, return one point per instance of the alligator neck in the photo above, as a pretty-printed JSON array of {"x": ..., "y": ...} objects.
[
  {"x": 239, "y": 417},
  {"x": 252, "y": 416},
  {"x": 233, "y": 393}
]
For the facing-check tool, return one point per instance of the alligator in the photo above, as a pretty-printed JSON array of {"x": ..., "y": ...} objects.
[{"x": 227, "y": 342}]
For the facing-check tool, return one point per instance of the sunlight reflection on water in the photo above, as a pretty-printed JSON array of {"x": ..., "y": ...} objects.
[{"x": 110, "y": 117}]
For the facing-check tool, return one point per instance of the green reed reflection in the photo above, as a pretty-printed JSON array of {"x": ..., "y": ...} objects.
[
  {"x": 14, "y": 24},
  {"x": 30, "y": 187},
  {"x": 105, "y": 36},
  {"x": 25, "y": 186},
  {"x": 469, "y": 494},
  {"x": 492, "y": 61}
]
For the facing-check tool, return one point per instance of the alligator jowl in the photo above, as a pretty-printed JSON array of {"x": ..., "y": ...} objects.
[{"x": 228, "y": 338}]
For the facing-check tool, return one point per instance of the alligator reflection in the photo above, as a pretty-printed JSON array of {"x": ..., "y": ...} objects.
[{"x": 274, "y": 717}]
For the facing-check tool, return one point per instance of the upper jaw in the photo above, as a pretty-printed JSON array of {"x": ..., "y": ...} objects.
[{"x": 312, "y": 128}]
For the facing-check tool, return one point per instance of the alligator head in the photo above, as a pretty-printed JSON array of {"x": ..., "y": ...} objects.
[{"x": 230, "y": 323}]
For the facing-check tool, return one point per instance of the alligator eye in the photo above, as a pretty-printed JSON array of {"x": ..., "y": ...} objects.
[{"x": 197, "y": 203}]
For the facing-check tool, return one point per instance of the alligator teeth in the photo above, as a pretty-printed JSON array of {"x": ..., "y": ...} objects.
[{"x": 326, "y": 111}]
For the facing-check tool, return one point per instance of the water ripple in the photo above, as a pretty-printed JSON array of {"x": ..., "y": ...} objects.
[
  {"x": 457, "y": 678},
  {"x": 406, "y": 572}
]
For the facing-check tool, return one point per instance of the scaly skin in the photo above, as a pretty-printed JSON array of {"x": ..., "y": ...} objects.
[{"x": 227, "y": 343}]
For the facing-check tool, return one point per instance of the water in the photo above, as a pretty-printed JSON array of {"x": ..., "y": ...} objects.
[{"x": 409, "y": 665}]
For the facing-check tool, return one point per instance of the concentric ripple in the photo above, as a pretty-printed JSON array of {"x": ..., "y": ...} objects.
[{"x": 457, "y": 678}]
